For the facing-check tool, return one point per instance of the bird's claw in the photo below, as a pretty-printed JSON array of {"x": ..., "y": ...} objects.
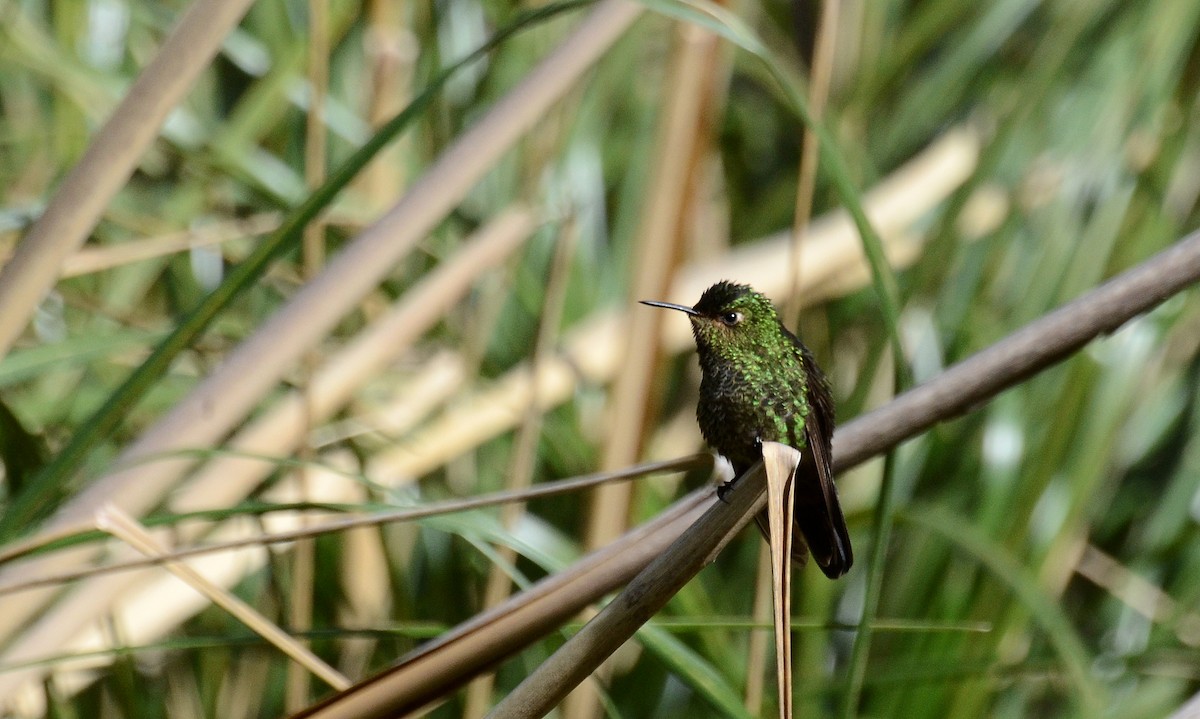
[{"x": 724, "y": 490}]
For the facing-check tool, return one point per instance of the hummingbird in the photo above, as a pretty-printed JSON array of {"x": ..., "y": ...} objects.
[{"x": 760, "y": 384}]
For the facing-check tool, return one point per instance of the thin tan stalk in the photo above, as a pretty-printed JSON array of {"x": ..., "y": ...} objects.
[
  {"x": 303, "y": 556},
  {"x": 1139, "y": 594},
  {"x": 660, "y": 239},
  {"x": 818, "y": 94},
  {"x": 127, "y": 529},
  {"x": 97, "y": 259},
  {"x": 780, "y": 462},
  {"x": 76, "y": 207},
  {"x": 820, "y": 77},
  {"x": 756, "y": 645},
  {"x": 524, "y": 457},
  {"x": 658, "y": 249},
  {"x": 390, "y": 51},
  {"x": 345, "y": 524}
]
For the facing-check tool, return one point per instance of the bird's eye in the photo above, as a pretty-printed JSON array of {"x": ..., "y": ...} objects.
[{"x": 731, "y": 318}]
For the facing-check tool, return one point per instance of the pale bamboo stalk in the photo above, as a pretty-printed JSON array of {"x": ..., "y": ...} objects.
[
  {"x": 756, "y": 645},
  {"x": 227, "y": 479},
  {"x": 391, "y": 51},
  {"x": 659, "y": 249},
  {"x": 112, "y": 156},
  {"x": 818, "y": 95},
  {"x": 303, "y": 556},
  {"x": 1138, "y": 593},
  {"x": 780, "y": 462},
  {"x": 97, "y": 259},
  {"x": 410, "y": 399},
  {"x": 820, "y": 79},
  {"x": 341, "y": 523}
]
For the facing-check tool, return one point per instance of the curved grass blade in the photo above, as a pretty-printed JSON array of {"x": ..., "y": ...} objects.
[{"x": 1046, "y": 612}]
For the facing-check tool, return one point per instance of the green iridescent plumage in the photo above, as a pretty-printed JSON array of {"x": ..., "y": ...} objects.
[{"x": 760, "y": 384}]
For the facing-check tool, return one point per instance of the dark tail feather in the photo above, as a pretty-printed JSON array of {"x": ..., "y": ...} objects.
[{"x": 819, "y": 518}]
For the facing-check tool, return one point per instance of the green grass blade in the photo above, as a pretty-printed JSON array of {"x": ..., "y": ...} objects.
[{"x": 1086, "y": 692}]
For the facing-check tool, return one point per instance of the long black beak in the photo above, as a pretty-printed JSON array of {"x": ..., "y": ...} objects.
[{"x": 671, "y": 306}]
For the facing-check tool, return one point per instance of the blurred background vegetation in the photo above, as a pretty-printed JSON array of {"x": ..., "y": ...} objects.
[{"x": 1045, "y": 557}]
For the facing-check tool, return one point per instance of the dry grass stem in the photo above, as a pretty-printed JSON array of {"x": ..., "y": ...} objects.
[
  {"x": 423, "y": 677},
  {"x": 127, "y": 529},
  {"x": 524, "y": 455},
  {"x": 217, "y": 545},
  {"x": 97, "y": 259},
  {"x": 818, "y": 93},
  {"x": 1139, "y": 594},
  {"x": 661, "y": 237},
  {"x": 780, "y": 462}
]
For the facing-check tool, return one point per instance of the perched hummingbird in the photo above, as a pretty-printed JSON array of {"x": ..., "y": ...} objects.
[{"x": 760, "y": 384}]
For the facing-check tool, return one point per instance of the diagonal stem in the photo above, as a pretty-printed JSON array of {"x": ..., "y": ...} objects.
[{"x": 964, "y": 386}]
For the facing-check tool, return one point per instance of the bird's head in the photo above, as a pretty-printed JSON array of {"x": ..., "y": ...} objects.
[{"x": 731, "y": 319}]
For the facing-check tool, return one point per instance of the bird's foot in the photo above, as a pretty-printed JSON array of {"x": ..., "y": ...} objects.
[{"x": 724, "y": 490}]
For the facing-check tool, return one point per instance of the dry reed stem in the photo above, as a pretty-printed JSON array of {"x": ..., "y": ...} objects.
[
  {"x": 158, "y": 604},
  {"x": 97, "y": 259},
  {"x": 960, "y": 388},
  {"x": 286, "y": 494},
  {"x": 303, "y": 556},
  {"x": 391, "y": 52},
  {"x": 128, "y": 530},
  {"x": 780, "y": 462},
  {"x": 109, "y": 160},
  {"x": 524, "y": 454},
  {"x": 441, "y": 665},
  {"x": 662, "y": 232},
  {"x": 659, "y": 246},
  {"x": 810, "y": 153}
]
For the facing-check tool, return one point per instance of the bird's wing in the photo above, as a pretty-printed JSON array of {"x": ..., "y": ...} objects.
[{"x": 818, "y": 511}]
